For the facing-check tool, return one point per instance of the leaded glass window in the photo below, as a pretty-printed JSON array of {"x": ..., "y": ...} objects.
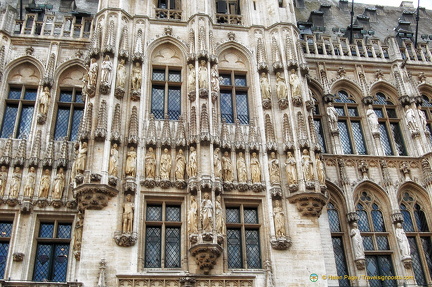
[
  {"x": 380, "y": 265},
  {"x": 389, "y": 125},
  {"x": 234, "y": 97},
  {"x": 243, "y": 237},
  {"x": 70, "y": 107},
  {"x": 349, "y": 124},
  {"x": 425, "y": 114},
  {"x": 166, "y": 93},
  {"x": 5, "y": 235},
  {"x": 163, "y": 235},
  {"x": 317, "y": 116},
  {"x": 19, "y": 110},
  {"x": 52, "y": 251}
]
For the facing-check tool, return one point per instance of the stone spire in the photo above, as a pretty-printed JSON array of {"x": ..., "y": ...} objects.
[
  {"x": 101, "y": 128},
  {"x": 116, "y": 125},
  {"x": 133, "y": 127}
]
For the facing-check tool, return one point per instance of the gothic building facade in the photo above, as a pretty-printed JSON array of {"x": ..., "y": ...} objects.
[{"x": 215, "y": 143}]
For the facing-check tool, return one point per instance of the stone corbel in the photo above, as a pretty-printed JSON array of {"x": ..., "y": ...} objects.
[
  {"x": 309, "y": 203},
  {"x": 206, "y": 255},
  {"x": 281, "y": 243},
  {"x": 18, "y": 256},
  {"x": 94, "y": 196},
  {"x": 125, "y": 239}
]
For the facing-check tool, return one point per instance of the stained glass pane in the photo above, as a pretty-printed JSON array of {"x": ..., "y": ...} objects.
[
  {"x": 340, "y": 111},
  {"x": 378, "y": 221},
  {"x": 174, "y": 76},
  {"x": 358, "y": 137},
  {"x": 66, "y": 96},
  {"x": 345, "y": 138},
  {"x": 154, "y": 213},
  {"x": 234, "y": 248},
  {"x": 242, "y": 108},
  {"x": 382, "y": 243},
  {"x": 420, "y": 218},
  {"x": 4, "y": 248},
  {"x": 416, "y": 262},
  {"x": 30, "y": 95},
  {"x": 25, "y": 121},
  {"x": 391, "y": 113},
  {"x": 333, "y": 220},
  {"x": 174, "y": 98},
  {"x": 379, "y": 112},
  {"x": 158, "y": 75},
  {"x": 14, "y": 94},
  {"x": 363, "y": 222},
  {"x": 233, "y": 215},
  {"x": 407, "y": 223},
  {"x": 397, "y": 136},
  {"x": 172, "y": 247},
  {"x": 339, "y": 254},
  {"x": 158, "y": 96},
  {"x": 352, "y": 112},
  {"x": 153, "y": 247},
  {"x": 46, "y": 230},
  {"x": 44, "y": 255},
  {"x": 173, "y": 213},
  {"x": 62, "y": 123},
  {"x": 5, "y": 229},
  {"x": 320, "y": 134},
  {"x": 9, "y": 121},
  {"x": 250, "y": 215},
  {"x": 385, "y": 141},
  {"x": 226, "y": 80},
  {"x": 427, "y": 249},
  {"x": 226, "y": 107},
  {"x": 61, "y": 253},
  {"x": 76, "y": 120},
  {"x": 64, "y": 231},
  {"x": 240, "y": 80},
  {"x": 368, "y": 243},
  {"x": 253, "y": 249}
]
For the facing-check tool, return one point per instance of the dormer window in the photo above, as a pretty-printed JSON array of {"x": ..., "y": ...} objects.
[
  {"x": 169, "y": 9},
  {"x": 228, "y": 11}
]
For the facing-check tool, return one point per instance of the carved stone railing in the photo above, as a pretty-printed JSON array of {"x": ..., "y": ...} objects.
[
  {"x": 229, "y": 19},
  {"x": 168, "y": 14},
  {"x": 186, "y": 280},
  {"x": 38, "y": 284}
]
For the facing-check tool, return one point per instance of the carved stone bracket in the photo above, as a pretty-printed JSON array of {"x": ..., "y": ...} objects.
[
  {"x": 180, "y": 184},
  {"x": 309, "y": 203},
  {"x": 136, "y": 95},
  {"x": 26, "y": 206},
  {"x": 149, "y": 182},
  {"x": 18, "y": 256},
  {"x": 397, "y": 217},
  {"x": 283, "y": 104},
  {"x": 119, "y": 93},
  {"x": 266, "y": 103},
  {"x": 258, "y": 187},
  {"x": 276, "y": 192},
  {"x": 206, "y": 255},
  {"x": 352, "y": 217},
  {"x": 125, "y": 239},
  {"x": 407, "y": 262},
  {"x": 281, "y": 243},
  {"x": 94, "y": 196},
  {"x": 112, "y": 180},
  {"x": 187, "y": 281},
  {"x": 165, "y": 183},
  {"x": 360, "y": 264}
]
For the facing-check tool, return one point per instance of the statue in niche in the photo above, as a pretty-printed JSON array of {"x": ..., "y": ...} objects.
[
  {"x": 80, "y": 161},
  {"x": 265, "y": 87},
  {"x": 16, "y": 183},
  {"x": 130, "y": 169},
  {"x": 191, "y": 78},
  {"x": 136, "y": 77},
  {"x": 281, "y": 87},
  {"x": 274, "y": 169},
  {"x": 106, "y": 69},
  {"x": 320, "y": 169},
  {"x": 202, "y": 76},
  {"x": 165, "y": 165},
  {"x": 295, "y": 84},
  {"x": 30, "y": 184},
  {"x": 332, "y": 116},
  {"x": 193, "y": 216},
  {"x": 215, "y": 82},
  {"x": 217, "y": 164},
  {"x": 227, "y": 171},
  {"x": 207, "y": 213},
  {"x": 402, "y": 240},
  {"x": 219, "y": 216},
  {"x": 255, "y": 168},
  {"x": 192, "y": 163},
  {"x": 92, "y": 72},
  {"x": 307, "y": 166},
  {"x": 128, "y": 214},
  {"x": 372, "y": 119},
  {"x": 279, "y": 219},
  {"x": 59, "y": 184},
  {"x": 113, "y": 161},
  {"x": 291, "y": 169},
  {"x": 78, "y": 232},
  {"x": 180, "y": 165},
  {"x": 423, "y": 120},
  {"x": 44, "y": 184},
  {"x": 357, "y": 242},
  {"x": 121, "y": 74},
  {"x": 241, "y": 168},
  {"x": 150, "y": 163},
  {"x": 410, "y": 119},
  {"x": 3, "y": 179},
  {"x": 44, "y": 100}
]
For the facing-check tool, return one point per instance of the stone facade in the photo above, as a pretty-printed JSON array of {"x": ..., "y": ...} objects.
[{"x": 214, "y": 143}]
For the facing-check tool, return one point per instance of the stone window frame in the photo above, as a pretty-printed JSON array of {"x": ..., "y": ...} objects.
[
  {"x": 73, "y": 106},
  {"x": 318, "y": 116},
  {"x": 4, "y": 239}
]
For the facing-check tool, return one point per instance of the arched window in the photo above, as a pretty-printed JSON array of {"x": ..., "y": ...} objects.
[
  {"x": 416, "y": 228},
  {"x": 349, "y": 124},
  {"x": 317, "y": 116},
  {"x": 391, "y": 135},
  {"x": 426, "y": 110}
]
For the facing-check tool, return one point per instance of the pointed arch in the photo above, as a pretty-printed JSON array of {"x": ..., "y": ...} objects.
[
  {"x": 153, "y": 46},
  {"x": 22, "y": 60},
  {"x": 349, "y": 86},
  {"x": 385, "y": 88},
  {"x": 236, "y": 46}
]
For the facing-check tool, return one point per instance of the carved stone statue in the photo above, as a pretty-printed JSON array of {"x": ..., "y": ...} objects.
[
  {"x": 30, "y": 184},
  {"x": 279, "y": 219},
  {"x": 402, "y": 240},
  {"x": 202, "y": 76},
  {"x": 128, "y": 214},
  {"x": 207, "y": 213},
  {"x": 295, "y": 84},
  {"x": 192, "y": 78},
  {"x": 193, "y": 216},
  {"x": 255, "y": 168},
  {"x": 227, "y": 169},
  {"x": 357, "y": 242},
  {"x": 291, "y": 169},
  {"x": 307, "y": 166},
  {"x": 121, "y": 74},
  {"x": 372, "y": 119},
  {"x": 130, "y": 169},
  {"x": 106, "y": 69},
  {"x": 274, "y": 169},
  {"x": 3, "y": 179},
  {"x": 320, "y": 169},
  {"x": 220, "y": 224},
  {"x": 44, "y": 185},
  {"x": 281, "y": 87},
  {"x": 215, "y": 82},
  {"x": 180, "y": 165},
  {"x": 113, "y": 161},
  {"x": 80, "y": 161},
  {"x": 93, "y": 72},
  {"x": 136, "y": 77},
  {"x": 241, "y": 168},
  {"x": 410, "y": 119},
  {"x": 78, "y": 233},
  {"x": 332, "y": 116},
  {"x": 192, "y": 163},
  {"x": 16, "y": 183},
  {"x": 165, "y": 165},
  {"x": 59, "y": 184},
  {"x": 217, "y": 163},
  {"x": 265, "y": 87},
  {"x": 44, "y": 100},
  {"x": 422, "y": 117},
  {"x": 150, "y": 163}
]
